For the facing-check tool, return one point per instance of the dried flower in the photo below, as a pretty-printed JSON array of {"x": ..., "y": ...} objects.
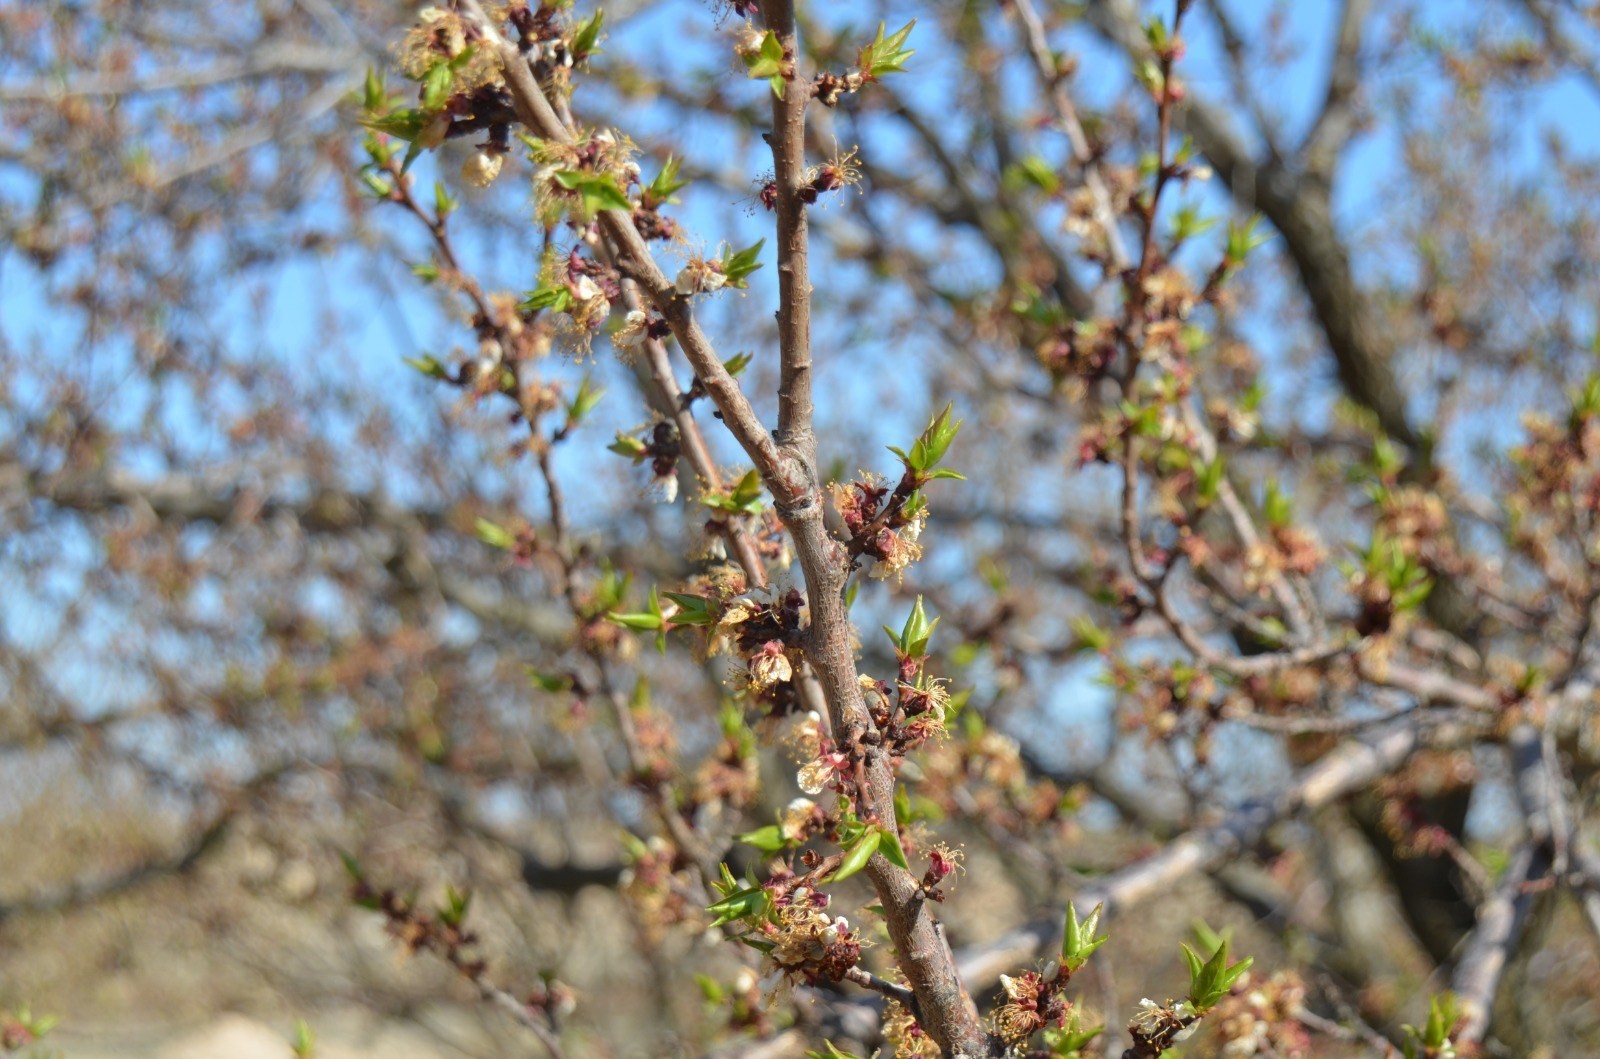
[
  {"x": 630, "y": 338},
  {"x": 797, "y": 818},
  {"x": 770, "y": 666},
  {"x": 481, "y": 168},
  {"x": 700, "y": 276}
]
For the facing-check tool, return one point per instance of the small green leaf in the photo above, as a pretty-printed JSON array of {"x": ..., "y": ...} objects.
[
  {"x": 587, "y": 36},
  {"x": 1276, "y": 506},
  {"x": 598, "y": 190},
  {"x": 858, "y": 855},
  {"x": 693, "y": 610},
  {"x": 1187, "y": 223},
  {"x": 436, "y": 86},
  {"x": 493, "y": 535},
  {"x": 1242, "y": 239},
  {"x": 931, "y": 446},
  {"x": 1078, "y": 941},
  {"x": 767, "y": 839},
  {"x": 629, "y": 446},
  {"x": 373, "y": 96},
  {"x": 736, "y": 265},
  {"x": 665, "y": 185},
  {"x": 649, "y": 620},
  {"x": 584, "y": 401},
  {"x": 886, "y": 55},
  {"x": 557, "y": 298},
  {"x": 352, "y": 866},
  {"x": 548, "y": 681},
  {"x": 428, "y": 366},
  {"x": 889, "y": 846},
  {"x": 1208, "y": 481},
  {"x": 1068, "y": 1043},
  {"x": 401, "y": 124},
  {"x": 831, "y": 1053},
  {"x": 741, "y": 904},
  {"x": 1210, "y": 981},
  {"x": 1034, "y": 171},
  {"x": 912, "y": 640},
  {"x": 444, "y": 203},
  {"x": 455, "y": 907},
  {"x": 767, "y": 60}
]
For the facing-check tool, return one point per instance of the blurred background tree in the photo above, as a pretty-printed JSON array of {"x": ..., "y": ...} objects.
[{"x": 272, "y": 594}]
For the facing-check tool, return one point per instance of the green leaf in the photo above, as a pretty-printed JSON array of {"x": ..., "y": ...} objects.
[
  {"x": 741, "y": 904},
  {"x": 1034, "y": 171},
  {"x": 912, "y": 640},
  {"x": 1068, "y": 1043},
  {"x": 709, "y": 989},
  {"x": 584, "y": 401},
  {"x": 444, "y": 203},
  {"x": 629, "y": 446},
  {"x": 886, "y": 55},
  {"x": 1276, "y": 506},
  {"x": 436, "y": 86},
  {"x": 587, "y": 36},
  {"x": 1210, "y": 981},
  {"x": 736, "y": 265},
  {"x": 1187, "y": 222},
  {"x": 1242, "y": 239},
  {"x": 493, "y": 535},
  {"x": 831, "y": 1053},
  {"x": 648, "y": 620},
  {"x": 932, "y": 445},
  {"x": 352, "y": 866},
  {"x": 767, "y": 839},
  {"x": 889, "y": 846},
  {"x": 598, "y": 190},
  {"x": 373, "y": 96},
  {"x": 858, "y": 855},
  {"x": 1078, "y": 941},
  {"x": 428, "y": 366},
  {"x": 767, "y": 60},
  {"x": 666, "y": 184},
  {"x": 1208, "y": 481},
  {"x": 549, "y": 682},
  {"x": 693, "y": 610},
  {"x": 554, "y": 297},
  {"x": 455, "y": 907},
  {"x": 401, "y": 124},
  {"x": 736, "y": 364},
  {"x": 743, "y": 499}
]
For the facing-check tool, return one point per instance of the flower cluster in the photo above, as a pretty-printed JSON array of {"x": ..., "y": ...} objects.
[
  {"x": 651, "y": 884},
  {"x": 439, "y": 36},
  {"x": 1263, "y": 1020},
  {"x": 1033, "y": 1001},
  {"x": 1158, "y": 1027},
  {"x": 909, "y": 1040},
  {"x": 888, "y": 536},
  {"x": 807, "y": 944}
]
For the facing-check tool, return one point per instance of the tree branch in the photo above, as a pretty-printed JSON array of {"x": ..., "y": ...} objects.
[
  {"x": 1337, "y": 120},
  {"x": 788, "y": 141}
]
